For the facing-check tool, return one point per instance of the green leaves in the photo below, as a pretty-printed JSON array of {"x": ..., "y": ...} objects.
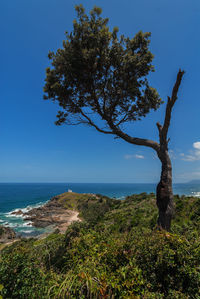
[
  {"x": 116, "y": 256},
  {"x": 1, "y": 288},
  {"x": 101, "y": 72}
]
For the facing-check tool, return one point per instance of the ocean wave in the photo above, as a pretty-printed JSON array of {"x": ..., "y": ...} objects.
[
  {"x": 27, "y": 231},
  {"x": 21, "y": 225},
  {"x": 10, "y": 224},
  {"x": 24, "y": 210},
  {"x": 9, "y": 215},
  {"x": 121, "y": 197},
  {"x": 195, "y": 194},
  {"x": 18, "y": 222},
  {"x": 27, "y": 224},
  {"x": 6, "y": 223}
]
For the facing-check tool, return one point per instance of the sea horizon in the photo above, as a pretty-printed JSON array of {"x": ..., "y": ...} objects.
[
  {"x": 65, "y": 182},
  {"x": 25, "y": 196}
]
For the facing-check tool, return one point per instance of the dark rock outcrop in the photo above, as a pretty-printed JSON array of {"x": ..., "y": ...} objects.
[
  {"x": 6, "y": 234},
  {"x": 53, "y": 213},
  {"x": 18, "y": 212}
]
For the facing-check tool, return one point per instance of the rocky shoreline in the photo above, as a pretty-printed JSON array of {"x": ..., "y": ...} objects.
[
  {"x": 57, "y": 214},
  {"x": 52, "y": 214}
]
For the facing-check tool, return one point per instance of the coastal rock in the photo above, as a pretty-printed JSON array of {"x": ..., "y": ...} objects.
[
  {"x": 53, "y": 213},
  {"x": 18, "y": 212},
  {"x": 6, "y": 234}
]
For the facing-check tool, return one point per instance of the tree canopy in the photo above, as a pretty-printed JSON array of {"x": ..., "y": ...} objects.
[{"x": 99, "y": 72}]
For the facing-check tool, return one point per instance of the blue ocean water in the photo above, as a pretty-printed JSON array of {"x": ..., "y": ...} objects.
[{"x": 14, "y": 196}]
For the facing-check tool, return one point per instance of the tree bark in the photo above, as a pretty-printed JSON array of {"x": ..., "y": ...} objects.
[{"x": 164, "y": 192}]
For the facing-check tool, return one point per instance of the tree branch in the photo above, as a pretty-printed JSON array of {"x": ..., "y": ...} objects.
[
  {"x": 133, "y": 140},
  {"x": 170, "y": 103},
  {"x": 91, "y": 123},
  {"x": 122, "y": 120},
  {"x": 160, "y": 127}
]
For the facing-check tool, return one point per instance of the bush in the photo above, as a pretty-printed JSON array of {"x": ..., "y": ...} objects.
[
  {"x": 20, "y": 274},
  {"x": 117, "y": 255}
]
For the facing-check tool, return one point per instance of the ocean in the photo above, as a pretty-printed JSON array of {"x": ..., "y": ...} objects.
[{"x": 25, "y": 196}]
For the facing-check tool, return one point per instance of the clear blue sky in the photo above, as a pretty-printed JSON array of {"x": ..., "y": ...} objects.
[{"x": 33, "y": 149}]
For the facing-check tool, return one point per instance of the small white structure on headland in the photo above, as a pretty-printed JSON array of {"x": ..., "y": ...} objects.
[{"x": 69, "y": 190}]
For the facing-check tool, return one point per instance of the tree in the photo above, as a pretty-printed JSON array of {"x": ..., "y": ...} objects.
[{"x": 100, "y": 79}]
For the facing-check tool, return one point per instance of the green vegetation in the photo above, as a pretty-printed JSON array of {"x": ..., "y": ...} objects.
[
  {"x": 91, "y": 207},
  {"x": 119, "y": 254}
]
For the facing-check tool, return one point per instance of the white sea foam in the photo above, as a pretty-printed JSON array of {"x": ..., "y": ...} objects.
[
  {"x": 27, "y": 224},
  {"x": 27, "y": 231},
  {"x": 121, "y": 197},
  {"x": 13, "y": 225},
  {"x": 196, "y": 194},
  {"x": 24, "y": 210},
  {"x": 9, "y": 215},
  {"x": 17, "y": 221}
]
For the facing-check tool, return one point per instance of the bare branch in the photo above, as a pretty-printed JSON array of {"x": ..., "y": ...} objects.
[
  {"x": 159, "y": 127},
  {"x": 91, "y": 123},
  {"x": 122, "y": 120},
  {"x": 74, "y": 124},
  {"x": 133, "y": 140},
  {"x": 170, "y": 103}
]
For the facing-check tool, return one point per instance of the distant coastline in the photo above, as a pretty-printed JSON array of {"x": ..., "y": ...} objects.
[
  {"x": 26, "y": 196},
  {"x": 53, "y": 214}
]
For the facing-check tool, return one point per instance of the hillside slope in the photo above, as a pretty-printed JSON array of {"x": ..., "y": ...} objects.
[{"x": 115, "y": 252}]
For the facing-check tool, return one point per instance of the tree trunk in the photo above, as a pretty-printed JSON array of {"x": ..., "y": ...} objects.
[{"x": 164, "y": 193}]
